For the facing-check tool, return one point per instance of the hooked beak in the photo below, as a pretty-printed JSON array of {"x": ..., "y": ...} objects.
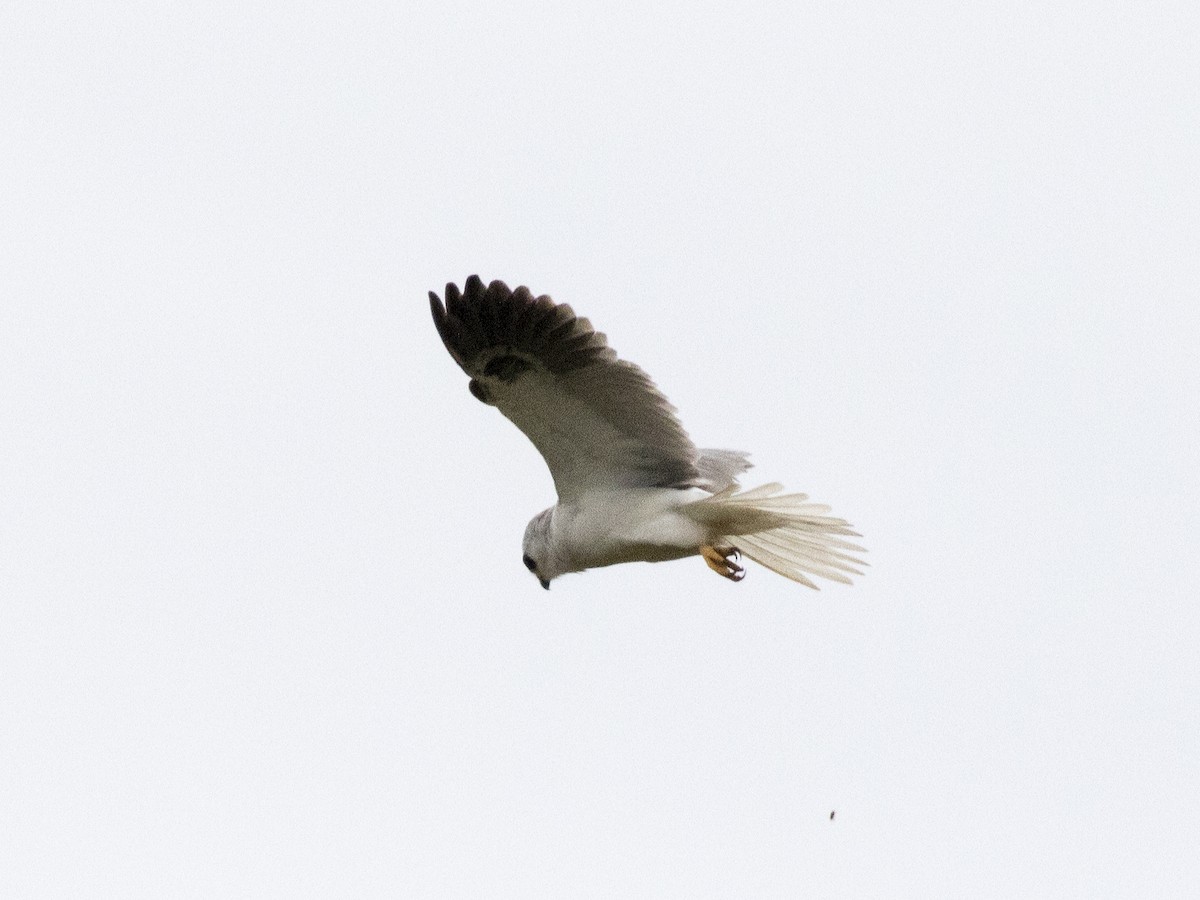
[{"x": 545, "y": 582}]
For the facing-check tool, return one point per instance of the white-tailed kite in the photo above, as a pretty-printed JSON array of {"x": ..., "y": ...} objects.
[{"x": 631, "y": 484}]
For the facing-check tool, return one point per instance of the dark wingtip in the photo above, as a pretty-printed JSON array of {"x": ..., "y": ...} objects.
[
  {"x": 440, "y": 320},
  {"x": 446, "y": 322},
  {"x": 497, "y": 291}
]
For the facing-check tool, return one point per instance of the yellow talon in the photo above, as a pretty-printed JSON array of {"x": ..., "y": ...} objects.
[{"x": 722, "y": 561}]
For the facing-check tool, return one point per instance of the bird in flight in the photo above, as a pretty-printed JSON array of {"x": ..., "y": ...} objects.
[{"x": 631, "y": 484}]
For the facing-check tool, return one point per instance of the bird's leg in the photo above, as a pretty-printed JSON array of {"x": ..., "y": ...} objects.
[{"x": 723, "y": 561}]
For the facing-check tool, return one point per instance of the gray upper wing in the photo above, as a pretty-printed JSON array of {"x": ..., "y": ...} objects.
[{"x": 599, "y": 422}]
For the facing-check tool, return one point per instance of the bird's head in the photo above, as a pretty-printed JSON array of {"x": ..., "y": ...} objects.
[{"x": 537, "y": 551}]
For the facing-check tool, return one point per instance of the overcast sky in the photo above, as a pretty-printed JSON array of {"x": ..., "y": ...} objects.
[{"x": 264, "y": 627}]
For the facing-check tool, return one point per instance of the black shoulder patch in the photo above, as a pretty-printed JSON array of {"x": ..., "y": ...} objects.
[{"x": 507, "y": 368}]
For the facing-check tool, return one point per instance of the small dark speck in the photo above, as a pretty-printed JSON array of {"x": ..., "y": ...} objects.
[{"x": 832, "y": 812}]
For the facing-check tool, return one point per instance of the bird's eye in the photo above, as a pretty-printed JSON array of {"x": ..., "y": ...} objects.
[{"x": 529, "y": 563}]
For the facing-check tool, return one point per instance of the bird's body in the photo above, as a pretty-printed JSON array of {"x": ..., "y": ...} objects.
[
  {"x": 632, "y": 487},
  {"x": 608, "y": 527}
]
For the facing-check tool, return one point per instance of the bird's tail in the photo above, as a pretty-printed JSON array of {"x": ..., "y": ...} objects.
[{"x": 783, "y": 532}]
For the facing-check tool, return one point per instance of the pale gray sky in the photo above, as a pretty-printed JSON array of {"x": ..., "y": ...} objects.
[{"x": 264, "y": 627}]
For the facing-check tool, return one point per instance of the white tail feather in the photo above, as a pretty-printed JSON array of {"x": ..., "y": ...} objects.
[{"x": 783, "y": 532}]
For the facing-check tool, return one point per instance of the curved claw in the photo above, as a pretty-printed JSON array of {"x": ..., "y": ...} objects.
[{"x": 723, "y": 561}]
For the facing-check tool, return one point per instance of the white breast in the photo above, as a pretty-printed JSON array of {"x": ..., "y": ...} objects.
[{"x": 646, "y": 524}]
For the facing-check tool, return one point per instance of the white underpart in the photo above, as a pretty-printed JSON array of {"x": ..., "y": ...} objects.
[
  {"x": 784, "y": 532},
  {"x": 606, "y": 527}
]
